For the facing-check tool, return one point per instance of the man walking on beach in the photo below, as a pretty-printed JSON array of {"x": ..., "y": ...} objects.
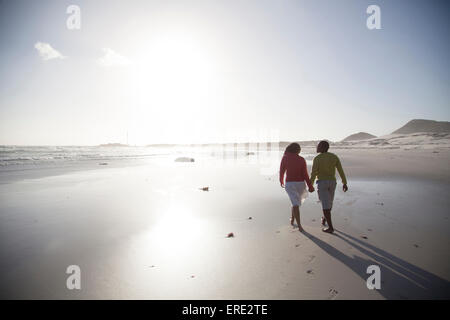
[{"x": 324, "y": 168}]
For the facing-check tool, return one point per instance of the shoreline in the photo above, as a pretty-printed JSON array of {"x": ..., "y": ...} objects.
[{"x": 379, "y": 165}]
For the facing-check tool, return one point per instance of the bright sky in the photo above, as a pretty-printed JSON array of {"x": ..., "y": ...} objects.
[{"x": 201, "y": 71}]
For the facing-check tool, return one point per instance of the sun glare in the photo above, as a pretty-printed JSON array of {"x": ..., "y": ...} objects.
[
  {"x": 170, "y": 81},
  {"x": 177, "y": 230}
]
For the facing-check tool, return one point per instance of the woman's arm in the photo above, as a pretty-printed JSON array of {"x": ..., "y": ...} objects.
[
  {"x": 282, "y": 171},
  {"x": 306, "y": 175}
]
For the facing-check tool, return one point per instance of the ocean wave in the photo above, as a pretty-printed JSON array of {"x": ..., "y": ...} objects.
[{"x": 18, "y": 155}]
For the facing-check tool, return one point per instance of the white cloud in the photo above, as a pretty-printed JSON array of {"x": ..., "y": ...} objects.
[
  {"x": 111, "y": 58},
  {"x": 47, "y": 52}
]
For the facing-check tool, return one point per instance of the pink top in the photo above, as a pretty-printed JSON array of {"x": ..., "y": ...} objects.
[{"x": 295, "y": 166}]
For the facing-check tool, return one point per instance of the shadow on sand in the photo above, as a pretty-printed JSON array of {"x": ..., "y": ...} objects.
[{"x": 399, "y": 279}]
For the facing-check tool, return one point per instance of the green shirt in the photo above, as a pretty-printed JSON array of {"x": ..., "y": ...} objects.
[{"x": 324, "y": 167}]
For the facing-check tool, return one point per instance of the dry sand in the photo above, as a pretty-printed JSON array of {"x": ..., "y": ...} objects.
[{"x": 149, "y": 232}]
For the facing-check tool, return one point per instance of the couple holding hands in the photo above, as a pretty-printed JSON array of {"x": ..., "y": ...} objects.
[{"x": 297, "y": 178}]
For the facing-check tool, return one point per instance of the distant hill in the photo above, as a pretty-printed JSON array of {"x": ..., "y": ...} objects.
[
  {"x": 359, "y": 136},
  {"x": 420, "y": 125},
  {"x": 113, "y": 145},
  {"x": 306, "y": 143}
]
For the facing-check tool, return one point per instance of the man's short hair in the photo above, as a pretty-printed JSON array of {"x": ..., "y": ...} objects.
[{"x": 324, "y": 145}]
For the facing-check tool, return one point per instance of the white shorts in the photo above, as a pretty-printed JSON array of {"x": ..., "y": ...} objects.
[{"x": 296, "y": 191}]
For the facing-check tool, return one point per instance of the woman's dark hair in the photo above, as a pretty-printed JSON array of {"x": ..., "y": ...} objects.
[
  {"x": 293, "y": 148},
  {"x": 324, "y": 145}
]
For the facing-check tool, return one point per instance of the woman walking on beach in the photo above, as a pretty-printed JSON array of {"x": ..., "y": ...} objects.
[{"x": 296, "y": 175}]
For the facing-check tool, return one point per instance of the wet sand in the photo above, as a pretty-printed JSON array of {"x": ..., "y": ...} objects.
[{"x": 149, "y": 232}]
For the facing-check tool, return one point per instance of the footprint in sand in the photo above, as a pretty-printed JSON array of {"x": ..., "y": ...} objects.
[
  {"x": 333, "y": 294},
  {"x": 349, "y": 203},
  {"x": 297, "y": 245},
  {"x": 311, "y": 258},
  {"x": 364, "y": 237},
  {"x": 310, "y": 271}
]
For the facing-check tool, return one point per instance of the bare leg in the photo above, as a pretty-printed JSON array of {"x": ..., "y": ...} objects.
[
  {"x": 327, "y": 215},
  {"x": 296, "y": 212},
  {"x": 292, "y": 216},
  {"x": 324, "y": 220}
]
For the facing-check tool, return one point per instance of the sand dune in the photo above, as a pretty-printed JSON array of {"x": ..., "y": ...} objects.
[
  {"x": 424, "y": 140},
  {"x": 359, "y": 136},
  {"x": 417, "y": 133},
  {"x": 420, "y": 125}
]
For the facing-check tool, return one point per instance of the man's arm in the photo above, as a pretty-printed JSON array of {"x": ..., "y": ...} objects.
[
  {"x": 341, "y": 171},
  {"x": 314, "y": 171}
]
